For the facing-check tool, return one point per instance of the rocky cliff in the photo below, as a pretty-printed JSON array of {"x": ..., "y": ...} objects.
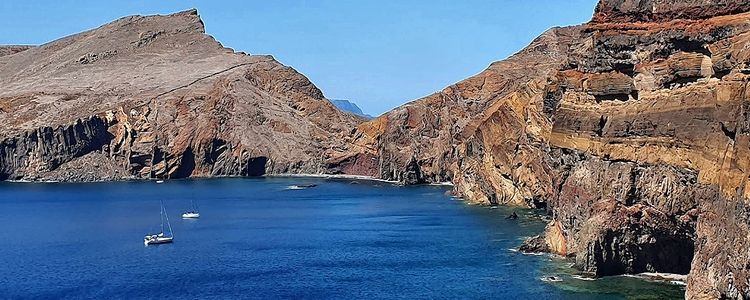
[
  {"x": 632, "y": 130},
  {"x": 155, "y": 97}
]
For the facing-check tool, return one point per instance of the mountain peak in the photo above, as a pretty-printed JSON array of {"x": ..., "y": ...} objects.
[{"x": 350, "y": 107}]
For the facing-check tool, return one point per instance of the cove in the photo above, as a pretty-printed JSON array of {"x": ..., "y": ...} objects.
[{"x": 342, "y": 239}]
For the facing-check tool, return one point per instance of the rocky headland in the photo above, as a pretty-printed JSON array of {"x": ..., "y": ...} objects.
[{"x": 156, "y": 97}]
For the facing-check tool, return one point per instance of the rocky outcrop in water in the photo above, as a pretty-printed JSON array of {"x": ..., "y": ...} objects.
[
  {"x": 631, "y": 130},
  {"x": 155, "y": 97}
]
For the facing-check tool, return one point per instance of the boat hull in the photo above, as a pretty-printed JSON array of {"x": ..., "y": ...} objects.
[
  {"x": 191, "y": 215},
  {"x": 157, "y": 241}
]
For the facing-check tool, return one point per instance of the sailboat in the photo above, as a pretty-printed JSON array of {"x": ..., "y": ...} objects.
[
  {"x": 161, "y": 237},
  {"x": 193, "y": 213}
]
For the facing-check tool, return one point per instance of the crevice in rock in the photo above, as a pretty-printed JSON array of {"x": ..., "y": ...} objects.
[
  {"x": 720, "y": 74},
  {"x": 551, "y": 101},
  {"x": 602, "y": 123},
  {"x": 731, "y": 134},
  {"x": 625, "y": 68},
  {"x": 634, "y": 94},
  {"x": 687, "y": 45},
  {"x": 632, "y": 197},
  {"x": 187, "y": 165}
]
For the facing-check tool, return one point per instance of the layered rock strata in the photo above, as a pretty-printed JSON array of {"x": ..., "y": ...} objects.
[{"x": 631, "y": 130}]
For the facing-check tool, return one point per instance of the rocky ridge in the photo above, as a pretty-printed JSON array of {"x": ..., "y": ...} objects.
[
  {"x": 8, "y": 50},
  {"x": 156, "y": 97}
]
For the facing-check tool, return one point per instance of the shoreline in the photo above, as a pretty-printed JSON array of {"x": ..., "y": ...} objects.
[
  {"x": 351, "y": 177},
  {"x": 281, "y": 175},
  {"x": 330, "y": 176},
  {"x": 671, "y": 278}
]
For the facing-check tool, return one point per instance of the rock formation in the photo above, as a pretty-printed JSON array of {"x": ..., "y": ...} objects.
[
  {"x": 155, "y": 97},
  {"x": 632, "y": 130}
]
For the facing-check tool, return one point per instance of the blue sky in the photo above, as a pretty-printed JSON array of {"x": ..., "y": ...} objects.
[{"x": 378, "y": 53}]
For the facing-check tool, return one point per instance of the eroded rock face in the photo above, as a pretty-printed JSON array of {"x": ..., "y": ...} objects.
[
  {"x": 664, "y": 10},
  {"x": 631, "y": 130},
  {"x": 155, "y": 97}
]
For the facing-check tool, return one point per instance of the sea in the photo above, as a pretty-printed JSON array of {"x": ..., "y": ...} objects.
[{"x": 262, "y": 238}]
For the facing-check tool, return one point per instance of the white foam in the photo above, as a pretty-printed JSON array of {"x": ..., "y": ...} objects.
[
  {"x": 551, "y": 279},
  {"x": 332, "y": 176},
  {"x": 579, "y": 277}
]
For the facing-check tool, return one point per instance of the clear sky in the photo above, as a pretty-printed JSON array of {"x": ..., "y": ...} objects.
[{"x": 378, "y": 53}]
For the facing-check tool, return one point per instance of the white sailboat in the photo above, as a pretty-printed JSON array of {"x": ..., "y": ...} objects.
[
  {"x": 193, "y": 213},
  {"x": 161, "y": 237}
]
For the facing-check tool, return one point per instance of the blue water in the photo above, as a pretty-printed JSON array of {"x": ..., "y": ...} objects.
[{"x": 256, "y": 239}]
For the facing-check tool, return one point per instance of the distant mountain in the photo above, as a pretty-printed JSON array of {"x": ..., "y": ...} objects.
[{"x": 348, "y": 106}]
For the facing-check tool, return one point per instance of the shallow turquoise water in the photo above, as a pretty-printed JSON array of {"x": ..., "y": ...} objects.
[{"x": 256, "y": 239}]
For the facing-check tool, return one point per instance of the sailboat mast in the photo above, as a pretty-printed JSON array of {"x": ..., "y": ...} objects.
[
  {"x": 161, "y": 214},
  {"x": 193, "y": 205},
  {"x": 166, "y": 216}
]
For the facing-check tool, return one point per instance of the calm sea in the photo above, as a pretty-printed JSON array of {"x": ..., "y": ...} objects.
[{"x": 257, "y": 239}]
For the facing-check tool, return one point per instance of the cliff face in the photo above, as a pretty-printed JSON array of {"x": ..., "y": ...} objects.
[
  {"x": 632, "y": 130},
  {"x": 155, "y": 96}
]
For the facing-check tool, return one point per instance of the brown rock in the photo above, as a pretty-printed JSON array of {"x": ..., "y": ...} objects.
[
  {"x": 634, "y": 136},
  {"x": 8, "y": 50},
  {"x": 157, "y": 97},
  {"x": 661, "y": 10}
]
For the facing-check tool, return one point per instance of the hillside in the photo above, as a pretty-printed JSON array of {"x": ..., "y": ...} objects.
[{"x": 156, "y": 97}]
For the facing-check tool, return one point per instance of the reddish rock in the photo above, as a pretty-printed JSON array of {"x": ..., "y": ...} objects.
[{"x": 632, "y": 130}]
